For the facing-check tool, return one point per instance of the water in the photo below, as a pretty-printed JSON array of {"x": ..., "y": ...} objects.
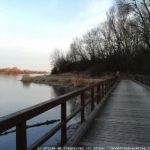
[{"x": 14, "y": 96}]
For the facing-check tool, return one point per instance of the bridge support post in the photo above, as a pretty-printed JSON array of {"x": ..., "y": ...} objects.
[
  {"x": 21, "y": 137},
  {"x": 92, "y": 97},
  {"x": 98, "y": 93},
  {"x": 63, "y": 121},
  {"x": 82, "y": 108},
  {"x": 103, "y": 89}
]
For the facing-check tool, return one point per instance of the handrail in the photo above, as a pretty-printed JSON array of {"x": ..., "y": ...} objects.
[
  {"x": 20, "y": 118},
  {"x": 143, "y": 79}
]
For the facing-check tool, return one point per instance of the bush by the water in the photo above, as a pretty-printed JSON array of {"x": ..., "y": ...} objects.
[{"x": 26, "y": 78}]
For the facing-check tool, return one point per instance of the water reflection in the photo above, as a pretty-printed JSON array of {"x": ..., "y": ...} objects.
[
  {"x": 59, "y": 90},
  {"x": 26, "y": 84},
  {"x": 23, "y": 95}
]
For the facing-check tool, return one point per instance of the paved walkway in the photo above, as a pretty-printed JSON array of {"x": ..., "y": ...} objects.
[{"x": 124, "y": 120}]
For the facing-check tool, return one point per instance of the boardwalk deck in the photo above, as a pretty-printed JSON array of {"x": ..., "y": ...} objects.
[{"x": 124, "y": 120}]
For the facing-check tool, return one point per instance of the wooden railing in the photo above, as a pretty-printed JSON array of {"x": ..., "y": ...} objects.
[
  {"x": 143, "y": 79},
  {"x": 19, "y": 119}
]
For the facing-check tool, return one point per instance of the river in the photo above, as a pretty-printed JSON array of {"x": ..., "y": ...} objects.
[{"x": 15, "y": 95}]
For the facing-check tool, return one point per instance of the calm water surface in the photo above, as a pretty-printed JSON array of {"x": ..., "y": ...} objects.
[{"x": 14, "y": 96}]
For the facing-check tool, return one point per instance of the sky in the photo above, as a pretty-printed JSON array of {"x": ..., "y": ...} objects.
[{"x": 30, "y": 30}]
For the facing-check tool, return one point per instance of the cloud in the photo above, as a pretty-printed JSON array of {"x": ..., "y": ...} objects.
[
  {"x": 35, "y": 33},
  {"x": 47, "y": 36},
  {"x": 33, "y": 44},
  {"x": 93, "y": 14}
]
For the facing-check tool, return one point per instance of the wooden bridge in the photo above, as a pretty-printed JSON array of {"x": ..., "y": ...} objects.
[
  {"x": 120, "y": 116},
  {"x": 125, "y": 119}
]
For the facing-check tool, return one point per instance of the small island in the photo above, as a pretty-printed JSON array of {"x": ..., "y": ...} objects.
[{"x": 16, "y": 70}]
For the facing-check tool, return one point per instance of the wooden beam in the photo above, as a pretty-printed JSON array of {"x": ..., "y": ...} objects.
[{"x": 21, "y": 137}]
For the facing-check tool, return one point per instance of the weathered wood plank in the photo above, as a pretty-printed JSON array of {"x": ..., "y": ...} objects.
[{"x": 125, "y": 119}]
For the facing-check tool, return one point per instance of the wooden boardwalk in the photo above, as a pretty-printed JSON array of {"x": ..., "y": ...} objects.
[{"x": 124, "y": 119}]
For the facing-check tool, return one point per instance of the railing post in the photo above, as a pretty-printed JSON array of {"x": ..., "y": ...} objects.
[
  {"x": 107, "y": 86},
  {"x": 102, "y": 89},
  {"x": 98, "y": 93},
  {"x": 63, "y": 121},
  {"x": 110, "y": 83},
  {"x": 82, "y": 108},
  {"x": 21, "y": 137},
  {"x": 92, "y": 97},
  {"x": 101, "y": 93}
]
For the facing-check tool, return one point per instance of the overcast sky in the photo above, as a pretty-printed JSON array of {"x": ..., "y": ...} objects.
[{"x": 31, "y": 29}]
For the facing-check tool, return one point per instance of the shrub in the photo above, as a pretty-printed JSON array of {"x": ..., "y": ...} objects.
[{"x": 26, "y": 78}]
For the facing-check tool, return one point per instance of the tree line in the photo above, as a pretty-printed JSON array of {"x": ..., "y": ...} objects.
[{"x": 121, "y": 43}]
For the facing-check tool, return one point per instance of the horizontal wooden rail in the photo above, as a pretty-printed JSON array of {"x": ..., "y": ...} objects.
[{"x": 97, "y": 92}]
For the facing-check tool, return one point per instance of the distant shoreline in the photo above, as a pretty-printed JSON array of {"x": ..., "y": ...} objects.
[{"x": 15, "y": 70}]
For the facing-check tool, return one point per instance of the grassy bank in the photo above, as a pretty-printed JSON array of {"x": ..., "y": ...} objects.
[{"x": 67, "y": 79}]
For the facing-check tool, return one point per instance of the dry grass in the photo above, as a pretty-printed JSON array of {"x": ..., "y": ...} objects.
[
  {"x": 15, "y": 70},
  {"x": 70, "y": 79},
  {"x": 78, "y": 80}
]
